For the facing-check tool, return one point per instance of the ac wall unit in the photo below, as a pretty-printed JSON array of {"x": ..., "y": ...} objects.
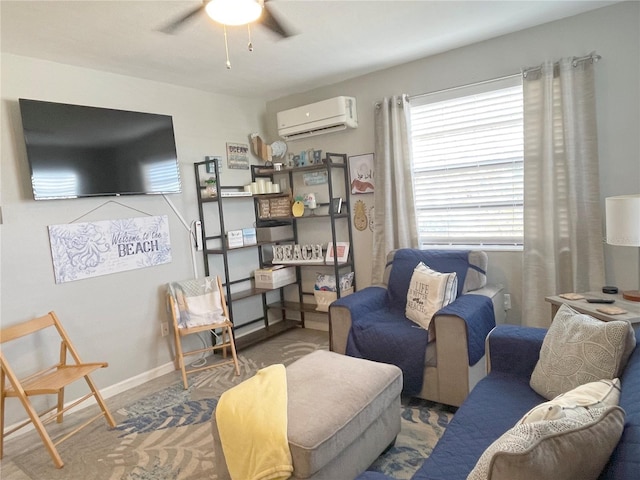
[{"x": 331, "y": 115}]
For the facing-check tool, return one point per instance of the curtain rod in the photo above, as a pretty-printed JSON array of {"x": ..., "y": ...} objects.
[
  {"x": 593, "y": 57},
  {"x": 451, "y": 89}
]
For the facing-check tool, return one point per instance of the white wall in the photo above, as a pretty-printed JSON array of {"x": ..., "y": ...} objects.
[
  {"x": 612, "y": 32},
  {"x": 117, "y": 317}
]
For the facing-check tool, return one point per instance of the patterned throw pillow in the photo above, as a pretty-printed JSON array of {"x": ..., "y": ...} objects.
[
  {"x": 428, "y": 292},
  {"x": 570, "y": 448},
  {"x": 579, "y": 349}
]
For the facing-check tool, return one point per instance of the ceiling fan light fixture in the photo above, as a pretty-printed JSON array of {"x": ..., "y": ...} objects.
[{"x": 234, "y": 12}]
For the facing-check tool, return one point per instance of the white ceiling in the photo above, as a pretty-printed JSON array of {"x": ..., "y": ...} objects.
[{"x": 335, "y": 39}]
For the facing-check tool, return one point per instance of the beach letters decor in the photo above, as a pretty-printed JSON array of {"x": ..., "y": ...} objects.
[
  {"x": 84, "y": 250},
  {"x": 285, "y": 254}
]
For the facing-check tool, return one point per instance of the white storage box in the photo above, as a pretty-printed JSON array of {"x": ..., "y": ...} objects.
[
  {"x": 275, "y": 277},
  {"x": 325, "y": 298}
]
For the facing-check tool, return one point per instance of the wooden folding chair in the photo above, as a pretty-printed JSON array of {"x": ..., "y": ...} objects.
[
  {"x": 177, "y": 302},
  {"x": 50, "y": 381}
]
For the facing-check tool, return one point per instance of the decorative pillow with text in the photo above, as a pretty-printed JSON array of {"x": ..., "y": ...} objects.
[{"x": 428, "y": 292}]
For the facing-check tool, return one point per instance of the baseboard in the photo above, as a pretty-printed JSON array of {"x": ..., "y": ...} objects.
[
  {"x": 106, "y": 393},
  {"x": 132, "y": 382}
]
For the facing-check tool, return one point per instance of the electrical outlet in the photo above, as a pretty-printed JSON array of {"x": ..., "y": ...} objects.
[
  {"x": 507, "y": 301},
  {"x": 164, "y": 329}
]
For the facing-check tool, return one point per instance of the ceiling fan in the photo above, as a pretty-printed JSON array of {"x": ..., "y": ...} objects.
[{"x": 233, "y": 12}]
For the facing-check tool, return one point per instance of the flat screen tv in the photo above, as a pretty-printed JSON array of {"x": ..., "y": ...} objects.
[{"x": 80, "y": 151}]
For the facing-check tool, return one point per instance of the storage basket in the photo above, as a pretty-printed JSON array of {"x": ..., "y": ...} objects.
[{"x": 324, "y": 298}]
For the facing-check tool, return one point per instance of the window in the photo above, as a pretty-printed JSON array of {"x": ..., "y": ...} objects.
[{"x": 467, "y": 148}]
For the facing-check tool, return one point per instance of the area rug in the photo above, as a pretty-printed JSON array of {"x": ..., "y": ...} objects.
[{"x": 166, "y": 434}]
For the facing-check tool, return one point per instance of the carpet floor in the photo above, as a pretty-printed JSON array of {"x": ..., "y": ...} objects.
[{"x": 163, "y": 432}]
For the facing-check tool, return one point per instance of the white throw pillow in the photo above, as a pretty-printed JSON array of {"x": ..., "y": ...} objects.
[
  {"x": 603, "y": 393},
  {"x": 428, "y": 292},
  {"x": 203, "y": 309}
]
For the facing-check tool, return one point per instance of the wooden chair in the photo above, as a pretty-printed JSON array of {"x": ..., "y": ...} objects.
[
  {"x": 50, "y": 381},
  {"x": 179, "y": 300}
]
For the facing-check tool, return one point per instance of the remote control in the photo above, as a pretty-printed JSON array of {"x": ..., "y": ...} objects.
[{"x": 600, "y": 300}]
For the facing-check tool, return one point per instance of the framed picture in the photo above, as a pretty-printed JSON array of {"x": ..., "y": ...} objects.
[
  {"x": 238, "y": 155},
  {"x": 336, "y": 205},
  {"x": 341, "y": 252},
  {"x": 361, "y": 173},
  {"x": 315, "y": 178}
]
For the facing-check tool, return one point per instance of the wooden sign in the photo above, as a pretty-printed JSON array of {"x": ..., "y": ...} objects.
[{"x": 286, "y": 254}]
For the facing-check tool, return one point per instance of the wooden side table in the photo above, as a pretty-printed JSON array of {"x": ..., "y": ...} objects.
[{"x": 582, "y": 306}]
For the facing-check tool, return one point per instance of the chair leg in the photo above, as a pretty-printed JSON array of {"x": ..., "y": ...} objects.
[
  {"x": 101, "y": 402},
  {"x": 179, "y": 360},
  {"x": 39, "y": 426},
  {"x": 233, "y": 350},
  {"x": 60, "y": 405},
  {"x": 224, "y": 333},
  {"x": 2, "y": 398}
]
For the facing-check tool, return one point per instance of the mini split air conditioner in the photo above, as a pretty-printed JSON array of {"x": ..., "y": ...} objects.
[{"x": 331, "y": 115}]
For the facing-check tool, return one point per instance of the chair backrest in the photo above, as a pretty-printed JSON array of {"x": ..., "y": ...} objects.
[
  {"x": 198, "y": 301},
  {"x": 470, "y": 267},
  {"x": 29, "y": 327},
  {"x": 51, "y": 380}
]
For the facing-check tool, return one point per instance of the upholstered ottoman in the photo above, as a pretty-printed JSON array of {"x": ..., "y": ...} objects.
[{"x": 343, "y": 412}]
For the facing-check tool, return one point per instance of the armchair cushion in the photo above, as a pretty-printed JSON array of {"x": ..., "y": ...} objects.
[{"x": 387, "y": 336}]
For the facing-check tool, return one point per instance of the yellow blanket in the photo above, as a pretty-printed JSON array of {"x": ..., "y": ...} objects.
[{"x": 252, "y": 423}]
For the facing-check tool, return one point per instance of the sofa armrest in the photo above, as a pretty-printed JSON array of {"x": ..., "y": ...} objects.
[
  {"x": 514, "y": 350},
  {"x": 343, "y": 310}
]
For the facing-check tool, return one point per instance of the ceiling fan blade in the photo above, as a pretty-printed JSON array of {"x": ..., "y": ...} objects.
[
  {"x": 177, "y": 23},
  {"x": 269, "y": 20}
]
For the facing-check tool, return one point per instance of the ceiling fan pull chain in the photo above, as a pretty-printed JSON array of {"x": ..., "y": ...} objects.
[
  {"x": 250, "y": 42},
  {"x": 226, "y": 47}
]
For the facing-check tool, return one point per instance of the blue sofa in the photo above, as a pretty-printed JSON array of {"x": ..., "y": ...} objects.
[{"x": 500, "y": 399}]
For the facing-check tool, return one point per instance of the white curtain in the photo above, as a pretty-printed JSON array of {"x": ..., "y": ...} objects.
[
  {"x": 395, "y": 213},
  {"x": 563, "y": 242}
]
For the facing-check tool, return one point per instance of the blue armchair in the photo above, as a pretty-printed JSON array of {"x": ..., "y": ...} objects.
[{"x": 442, "y": 364}]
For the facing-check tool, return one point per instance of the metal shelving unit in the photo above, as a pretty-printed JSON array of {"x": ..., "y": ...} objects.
[
  {"x": 332, "y": 163},
  {"x": 214, "y": 236}
]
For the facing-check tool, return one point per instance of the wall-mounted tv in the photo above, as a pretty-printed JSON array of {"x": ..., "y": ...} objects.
[{"x": 81, "y": 151}]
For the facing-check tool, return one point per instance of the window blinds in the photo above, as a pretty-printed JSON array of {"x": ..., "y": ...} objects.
[{"x": 467, "y": 146}]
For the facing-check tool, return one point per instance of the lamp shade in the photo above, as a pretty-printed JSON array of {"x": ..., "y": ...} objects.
[{"x": 623, "y": 220}]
